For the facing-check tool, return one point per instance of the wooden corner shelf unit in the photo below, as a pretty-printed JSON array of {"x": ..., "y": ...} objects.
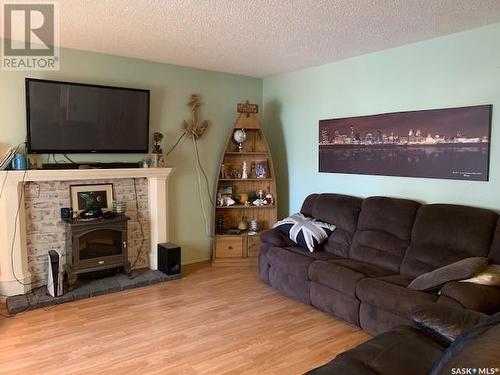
[{"x": 254, "y": 152}]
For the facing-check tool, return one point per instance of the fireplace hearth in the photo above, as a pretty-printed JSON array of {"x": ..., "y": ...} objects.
[{"x": 96, "y": 245}]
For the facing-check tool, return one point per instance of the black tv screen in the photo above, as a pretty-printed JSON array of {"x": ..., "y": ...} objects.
[{"x": 65, "y": 117}]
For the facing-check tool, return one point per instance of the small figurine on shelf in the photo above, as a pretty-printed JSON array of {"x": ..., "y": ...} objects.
[
  {"x": 228, "y": 201},
  {"x": 223, "y": 172},
  {"x": 260, "y": 201},
  {"x": 157, "y": 160},
  {"x": 244, "y": 172},
  {"x": 269, "y": 199}
]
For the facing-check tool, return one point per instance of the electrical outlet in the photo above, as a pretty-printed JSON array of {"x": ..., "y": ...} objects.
[{"x": 33, "y": 191}]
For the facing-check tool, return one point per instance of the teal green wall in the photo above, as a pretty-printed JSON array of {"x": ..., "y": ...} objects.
[
  {"x": 171, "y": 87},
  {"x": 456, "y": 70}
]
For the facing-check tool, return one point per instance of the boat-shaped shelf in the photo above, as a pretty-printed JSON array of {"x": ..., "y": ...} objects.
[{"x": 233, "y": 184}]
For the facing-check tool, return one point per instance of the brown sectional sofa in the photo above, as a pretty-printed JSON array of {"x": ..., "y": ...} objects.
[
  {"x": 445, "y": 340},
  {"x": 379, "y": 246}
]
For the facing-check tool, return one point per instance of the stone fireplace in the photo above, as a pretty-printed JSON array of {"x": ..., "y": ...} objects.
[{"x": 27, "y": 234}]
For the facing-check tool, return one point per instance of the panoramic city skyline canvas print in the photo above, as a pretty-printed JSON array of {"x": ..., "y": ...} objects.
[{"x": 452, "y": 143}]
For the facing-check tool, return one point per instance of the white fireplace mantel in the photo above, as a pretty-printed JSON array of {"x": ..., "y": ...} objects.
[{"x": 15, "y": 277}]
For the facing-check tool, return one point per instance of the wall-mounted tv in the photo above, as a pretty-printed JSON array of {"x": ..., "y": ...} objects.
[{"x": 66, "y": 117}]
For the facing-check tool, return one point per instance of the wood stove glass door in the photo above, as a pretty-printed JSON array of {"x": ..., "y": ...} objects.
[{"x": 99, "y": 244}]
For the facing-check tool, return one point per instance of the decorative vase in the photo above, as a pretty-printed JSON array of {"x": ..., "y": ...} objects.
[
  {"x": 254, "y": 225},
  {"x": 156, "y": 160}
]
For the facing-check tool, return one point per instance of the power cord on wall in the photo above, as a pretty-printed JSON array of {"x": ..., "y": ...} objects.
[
  {"x": 3, "y": 182},
  {"x": 21, "y": 196},
  {"x": 175, "y": 144},
  {"x": 139, "y": 252},
  {"x": 68, "y": 159},
  {"x": 19, "y": 203},
  {"x": 199, "y": 167},
  {"x": 15, "y": 233}
]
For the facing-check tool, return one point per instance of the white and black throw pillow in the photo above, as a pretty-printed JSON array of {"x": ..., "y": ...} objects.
[{"x": 305, "y": 231}]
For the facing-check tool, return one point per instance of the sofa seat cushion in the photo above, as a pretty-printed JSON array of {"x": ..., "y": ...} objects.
[
  {"x": 392, "y": 352},
  {"x": 391, "y": 294},
  {"x": 343, "y": 274},
  {"x": 289, "y": 261},
  {"x": 482, "y": 298},
  {"x": 316, "y": 255}
]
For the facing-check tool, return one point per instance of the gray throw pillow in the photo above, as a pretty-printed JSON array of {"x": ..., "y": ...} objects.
[{"x": 463, "y": 269}]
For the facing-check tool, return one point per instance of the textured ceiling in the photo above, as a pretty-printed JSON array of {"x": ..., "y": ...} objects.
[{"x": 260, "y": 38}]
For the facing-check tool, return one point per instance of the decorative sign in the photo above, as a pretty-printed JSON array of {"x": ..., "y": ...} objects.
[
  {"x": 248, "y": 108},
  {"x": 452, "y": 143}
]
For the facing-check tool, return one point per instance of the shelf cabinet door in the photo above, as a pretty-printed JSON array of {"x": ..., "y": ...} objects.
[
  {"x": 253, "y": 245},
  {"x": 228, "y": 247}
]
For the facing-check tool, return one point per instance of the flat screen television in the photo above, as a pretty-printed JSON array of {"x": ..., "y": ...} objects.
[{"x": 66, "y": 117}]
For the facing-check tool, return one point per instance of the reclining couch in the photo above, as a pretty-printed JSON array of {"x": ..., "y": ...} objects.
[
  {"x": 446, "y": 340},
  {"x": 380, "y": 244}
]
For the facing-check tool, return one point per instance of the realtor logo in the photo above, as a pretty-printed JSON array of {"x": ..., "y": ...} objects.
[{"x": 31, "y": 36}]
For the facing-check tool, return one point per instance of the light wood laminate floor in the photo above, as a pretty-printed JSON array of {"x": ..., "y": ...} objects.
[{"x": 215, "y": 320}]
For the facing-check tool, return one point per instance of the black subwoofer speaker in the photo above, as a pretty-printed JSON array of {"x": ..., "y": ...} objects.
[{"x": 169, "y": 258}]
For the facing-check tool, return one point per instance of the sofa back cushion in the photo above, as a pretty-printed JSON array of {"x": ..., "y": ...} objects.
[
  {"x": 341, "y": 211},
  {"x": 494, "y": 253},
  {"x": 307, "y": 206},
  {"x": 445, "y": 233},
  {"x": 384, "y": 231}
]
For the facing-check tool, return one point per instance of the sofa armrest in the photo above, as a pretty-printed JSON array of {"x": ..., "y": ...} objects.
[
  {"x": 482, "y": 298},
  {"x": 276, "y": 238},
  {"x": 445, "y": 322}
]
